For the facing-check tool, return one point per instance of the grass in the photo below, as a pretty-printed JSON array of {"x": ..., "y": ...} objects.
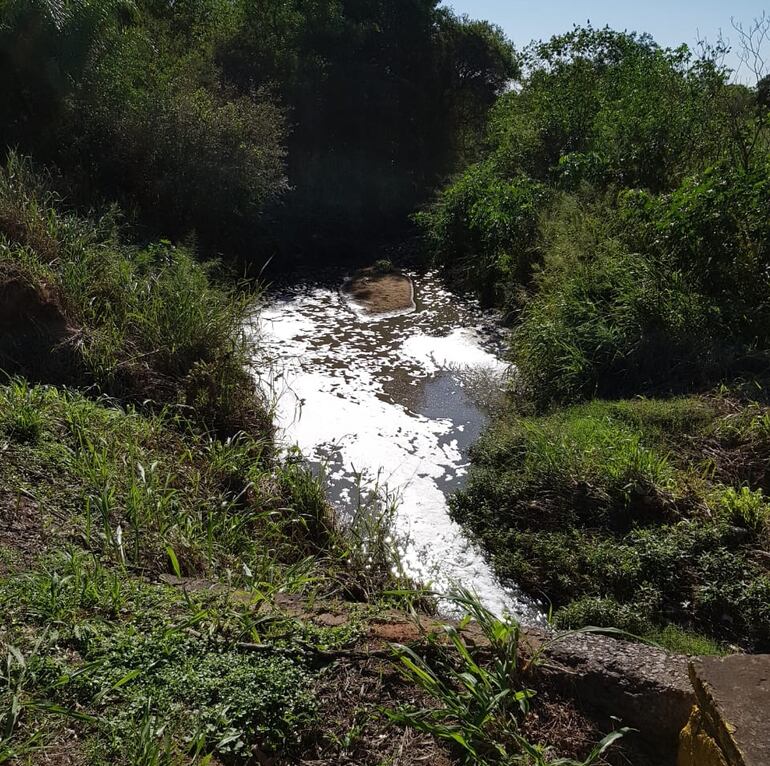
[
  {"x": 147, "y": 491},
  {"x": 478, "y": 705},
  {"x": 633, "y": 514},
  {"x": 139, "y": 323},
  {"x": 146, "y": 673},
  {"x": 120, "y": 656}
]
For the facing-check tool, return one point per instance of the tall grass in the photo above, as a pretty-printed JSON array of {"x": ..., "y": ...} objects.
[
  {"x": 148, "y": 323},
  {"x": 478, "y": 701}
]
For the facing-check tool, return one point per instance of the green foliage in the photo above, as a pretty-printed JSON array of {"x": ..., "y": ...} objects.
[
  {"x": 385, "y": 99},
  {"x": 713, "y": 230},
  {"x": 610, "y": 101},
  {"x": 136, "y": 680},
  {"x": 21, "y": 420},
  {"x": 143, "y": 490},
  {"x": 617, "y": 218},
  {"x": 150, "y": 322},
  {"x": 606, "y": 320},
  {"x": 238, "y": 698},
  {"x": 484, "y": 229},
  {"x": 479, "y": 702},
  {"x": 606, "y": 510},
  {"x": 635, "y": 619},
  {"x": 746, "y": 509},
  {"x": 182, "y": 110}
]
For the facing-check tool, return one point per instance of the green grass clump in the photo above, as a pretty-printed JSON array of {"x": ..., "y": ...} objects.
[
  {"x": 637, "y": 620},
  {"x": 609, "y": 511},
  {"x": 477, "y": 705},
  {"x": 579, "y": 463},
  {"x": 21, "y": 419},
  {"x": 148, "y": 491},
  {"x": 140, "y": 323}
]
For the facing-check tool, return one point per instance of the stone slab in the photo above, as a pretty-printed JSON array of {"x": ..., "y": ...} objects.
[
  {"x": 647, "y": 688},
  {"x": 734, "y": 697}
]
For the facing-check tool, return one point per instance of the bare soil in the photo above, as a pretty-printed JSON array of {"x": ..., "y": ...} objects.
[
  {"x": 381, "y": 293},
  {"x": 34, "y": 333}
]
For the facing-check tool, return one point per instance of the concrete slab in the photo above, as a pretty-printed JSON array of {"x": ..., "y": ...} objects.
[{"x": 733, "y": 695}]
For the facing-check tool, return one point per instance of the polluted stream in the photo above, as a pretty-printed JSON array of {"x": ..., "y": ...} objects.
[{"x": 392, "y": 401}]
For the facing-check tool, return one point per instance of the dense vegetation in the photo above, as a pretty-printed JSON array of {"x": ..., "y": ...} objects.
[
  {"x": 176, "y": 590},
  {"x": 167, "y": 575},
  {"x": 257, "y": 126},
  {"x": 618, "y": 216}
]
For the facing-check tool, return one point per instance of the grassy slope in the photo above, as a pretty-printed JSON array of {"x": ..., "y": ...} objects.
[
  {"x": 138, "y": 323},
  {"x": 106, "y": 664},
  {"x": 99, "y": 497},
  {"x": 647, "y": 515}
]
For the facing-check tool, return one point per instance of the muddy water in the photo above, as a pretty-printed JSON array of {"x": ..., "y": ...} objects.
[{"x": 388, "y": 397}]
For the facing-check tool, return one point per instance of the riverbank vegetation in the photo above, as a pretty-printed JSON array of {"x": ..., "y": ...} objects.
[
  {"x": 618, "y": 218},
  {"x": 175, "y": 587},
  {"x": 264, "y": 128}
]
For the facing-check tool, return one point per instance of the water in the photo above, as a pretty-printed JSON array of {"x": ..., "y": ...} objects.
[{"x": 388, "y": 396}]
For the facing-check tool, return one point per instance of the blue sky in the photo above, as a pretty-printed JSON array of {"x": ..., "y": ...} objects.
[{"x": 670, "y": 23}]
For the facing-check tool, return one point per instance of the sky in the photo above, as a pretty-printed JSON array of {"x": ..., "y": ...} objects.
[{"x": 670, "y": 22}]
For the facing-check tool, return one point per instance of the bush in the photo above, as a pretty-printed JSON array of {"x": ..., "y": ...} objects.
[
  {"x": 484, "y": 228},
  {"x": 713, "y": 230},
  {"x": 604, "y": 320},
  {"x": 632, "y": 618},
  {"x": 144, "y": 323}
]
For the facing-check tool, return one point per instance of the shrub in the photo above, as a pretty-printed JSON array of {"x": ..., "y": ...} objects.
[
  {"x": 632, "y": 618},
  {"x": 604, "y": 320},
  {"x": 483, "y": 228},
  {"x": 713, "y": 230},
  {"x": 150, "y": 322}
]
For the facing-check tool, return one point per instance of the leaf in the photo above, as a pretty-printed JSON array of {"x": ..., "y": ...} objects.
[
  {"x": 130, "y": 676},
  {"x": 607, "y": 742},
  {"x": 174, "y": 561}
]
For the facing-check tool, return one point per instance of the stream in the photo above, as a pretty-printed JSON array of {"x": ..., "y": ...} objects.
[{"x": 389, "y": 398}]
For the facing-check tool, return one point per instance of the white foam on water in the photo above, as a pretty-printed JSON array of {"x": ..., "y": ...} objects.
[{"x": 334, "y": 372}]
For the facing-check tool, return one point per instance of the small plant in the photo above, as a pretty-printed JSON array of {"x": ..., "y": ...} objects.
[
  {"x": 480, "y": 702},
  {"x": 152, "y": 745},
  {"x": 23, "y": 697},
  {"x": 21, "y": 415},
  {"x": 746, "y": 508},
  {"x": 383, "y": 266}
]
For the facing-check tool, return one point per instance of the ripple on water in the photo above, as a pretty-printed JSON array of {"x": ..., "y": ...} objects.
[{"x": 381, "y": 395}]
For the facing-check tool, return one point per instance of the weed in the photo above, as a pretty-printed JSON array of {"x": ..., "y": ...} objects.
[{"x": 479, "y": 702}]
